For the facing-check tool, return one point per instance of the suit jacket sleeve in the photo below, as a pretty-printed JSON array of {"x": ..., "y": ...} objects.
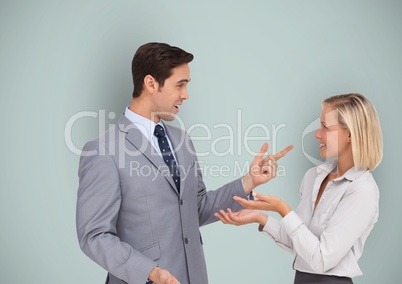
[
  {"x": 210, "y": 202},
  {"x": 98, "y": 204}
]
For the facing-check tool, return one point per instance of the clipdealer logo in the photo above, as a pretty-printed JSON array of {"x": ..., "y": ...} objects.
[{"x": 237, "y": 141}]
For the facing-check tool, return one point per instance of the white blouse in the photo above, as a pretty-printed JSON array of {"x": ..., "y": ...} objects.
[{"x": 329, "y": 240}]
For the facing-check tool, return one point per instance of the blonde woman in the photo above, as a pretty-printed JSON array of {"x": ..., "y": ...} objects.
[{"x": 339, "y": 199}]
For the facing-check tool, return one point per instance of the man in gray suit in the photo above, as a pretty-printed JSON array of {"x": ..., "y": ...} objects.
[{"x": 141, "y": 197}]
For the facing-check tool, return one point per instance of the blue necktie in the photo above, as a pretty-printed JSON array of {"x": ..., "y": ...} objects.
[{"x": 167, "y": 154}]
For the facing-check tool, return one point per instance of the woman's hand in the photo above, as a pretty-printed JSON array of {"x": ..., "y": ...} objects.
[
  {"x": 265, "y": 202},
  {"x": 242, "y": 217}
]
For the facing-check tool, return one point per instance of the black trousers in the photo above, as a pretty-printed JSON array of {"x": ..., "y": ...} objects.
[{"x": 308, "y": 278}]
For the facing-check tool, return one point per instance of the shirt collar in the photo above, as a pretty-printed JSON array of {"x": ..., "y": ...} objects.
[
  {"x": 354, "y": 173},
  {"x": 350, "y": 175},
  {"x": 144, "y": 124}
]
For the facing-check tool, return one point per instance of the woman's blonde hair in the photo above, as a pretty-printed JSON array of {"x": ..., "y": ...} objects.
[{"x": 356, "y": 113}]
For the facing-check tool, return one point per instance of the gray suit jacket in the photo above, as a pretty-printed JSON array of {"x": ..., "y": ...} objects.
[{"x": 130, "y": 216}]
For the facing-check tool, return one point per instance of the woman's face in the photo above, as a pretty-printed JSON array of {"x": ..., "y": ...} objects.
[{"x": 333, "y": 138}]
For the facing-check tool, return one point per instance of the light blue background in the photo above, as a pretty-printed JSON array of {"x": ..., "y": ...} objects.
[{"x": 271, "y": 61}]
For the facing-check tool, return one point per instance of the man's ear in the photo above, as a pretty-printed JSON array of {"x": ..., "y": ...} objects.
[{"x": 150, "y": 84}]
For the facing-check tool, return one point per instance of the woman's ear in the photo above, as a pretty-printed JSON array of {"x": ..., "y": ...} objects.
[
  {"x": 150, "y": 84},
  {"x": 349, "y": 138}
]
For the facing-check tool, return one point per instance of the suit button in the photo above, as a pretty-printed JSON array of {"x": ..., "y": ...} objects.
[
  {"x": 186, "y": 240},
  {"x": 181, "y": 201}
]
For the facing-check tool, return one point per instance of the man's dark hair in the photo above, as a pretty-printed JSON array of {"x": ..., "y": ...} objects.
[{"x": 158, "y": 60}]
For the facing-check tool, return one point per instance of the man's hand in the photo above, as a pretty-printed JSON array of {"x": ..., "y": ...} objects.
[
  {"x": 161, "y": 276},
  {"x": 242, "y": 217},
  {"x": 263, "y": 169}
]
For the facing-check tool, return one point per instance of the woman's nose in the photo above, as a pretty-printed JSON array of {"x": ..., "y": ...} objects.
[{"x": 317, "y": 134}]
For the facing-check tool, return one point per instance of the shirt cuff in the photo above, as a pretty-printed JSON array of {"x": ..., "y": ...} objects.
[
  {"x": 248, "y": 196},
  {"x": 291, "y": 222},
  {"x": 271, "y": 227}
]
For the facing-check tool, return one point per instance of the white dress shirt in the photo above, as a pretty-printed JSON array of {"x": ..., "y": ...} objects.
[
  {"x": 329, "y": 239},
  {"x": 147, "y": 128}
]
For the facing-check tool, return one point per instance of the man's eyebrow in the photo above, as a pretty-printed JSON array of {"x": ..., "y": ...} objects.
[{"x": 184, "y": 81}]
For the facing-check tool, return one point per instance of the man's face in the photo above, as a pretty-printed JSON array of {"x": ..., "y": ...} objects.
[{"x": 168, "y": 99}]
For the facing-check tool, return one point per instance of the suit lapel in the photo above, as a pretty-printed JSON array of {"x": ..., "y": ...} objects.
[{"x": 142, "y": 144}]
